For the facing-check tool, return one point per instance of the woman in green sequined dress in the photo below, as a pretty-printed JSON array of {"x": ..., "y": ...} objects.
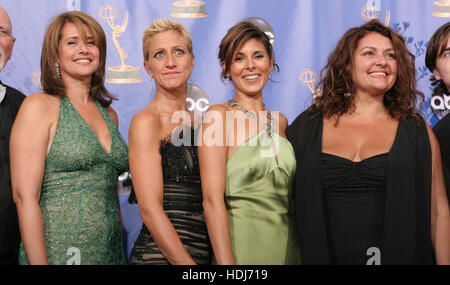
[
  {"x": 66, "y": 153},
  {"x": 247, "y": 175}
]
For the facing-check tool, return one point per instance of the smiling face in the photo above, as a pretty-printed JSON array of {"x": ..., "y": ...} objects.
[
  {"x": 374, "y": 69},
  {"x": 6, "y": 38},
  {"x": 169, "y": 61},
  {"x": 77, "y": 59},
  {"x": 250, "y": 68},
  {"x": 442, "y": 70}
]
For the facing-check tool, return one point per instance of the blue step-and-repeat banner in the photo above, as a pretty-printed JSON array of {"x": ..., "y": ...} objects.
[{"x": 304, "y": 32}]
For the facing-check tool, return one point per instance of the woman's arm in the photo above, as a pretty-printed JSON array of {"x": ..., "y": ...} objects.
[
  {"x": 28, "y": 150},
  {"x": 212, "y": 152},
  {"x": 147, "y": 176},
  {"x": 283, "y": 123},
  {"x": 112, "y": 113},
  {"x": 440, "y": 215}
]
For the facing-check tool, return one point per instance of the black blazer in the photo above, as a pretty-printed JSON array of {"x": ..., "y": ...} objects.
[
  {"x": 442, "y": 131},
  {"x": 9, "y": 227}
]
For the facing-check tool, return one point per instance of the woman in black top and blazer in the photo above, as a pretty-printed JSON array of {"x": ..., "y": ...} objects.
[{"x": 369, "y": 187}]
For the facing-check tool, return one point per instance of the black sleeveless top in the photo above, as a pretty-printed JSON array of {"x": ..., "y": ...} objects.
[
  {"x": 182, "y": 203},
  {"x": 354, "y": 195}
]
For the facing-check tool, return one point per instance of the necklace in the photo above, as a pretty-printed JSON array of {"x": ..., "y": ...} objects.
[{"x": 267, "y": 127}]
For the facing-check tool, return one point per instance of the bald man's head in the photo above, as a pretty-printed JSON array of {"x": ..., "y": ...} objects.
[{"x": 6, "y": 38}]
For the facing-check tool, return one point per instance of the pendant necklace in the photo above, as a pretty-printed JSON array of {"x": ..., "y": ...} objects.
[{"x": 267, "y": 127}]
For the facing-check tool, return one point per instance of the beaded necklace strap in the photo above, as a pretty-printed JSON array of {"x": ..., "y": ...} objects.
[{"x": 266, "y": 126}]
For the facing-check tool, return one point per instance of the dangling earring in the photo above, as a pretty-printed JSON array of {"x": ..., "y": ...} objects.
[
  {"x": 58, "y": 73},
  {"x": 347, "y": 95},
  {"x": 151, "y": 86},
  {"x": 190, "y": 85}
]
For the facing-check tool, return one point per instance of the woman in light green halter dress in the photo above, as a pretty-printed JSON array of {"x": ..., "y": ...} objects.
[
  {"x": 247, "y": 166},
  {"x": 259, "y": 202},
  {"x": 67, "y": 153}
]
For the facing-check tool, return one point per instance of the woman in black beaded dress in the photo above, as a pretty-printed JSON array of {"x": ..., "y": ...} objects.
[{"x": 163, "y": 157}]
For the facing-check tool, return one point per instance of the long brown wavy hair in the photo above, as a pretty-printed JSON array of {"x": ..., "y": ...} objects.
[
  {"x": 336, "y": 76},
  {"x": 53, "y": 85}
]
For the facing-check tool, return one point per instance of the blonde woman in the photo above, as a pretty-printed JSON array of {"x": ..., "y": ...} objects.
[{"x": 165, "y": 173}]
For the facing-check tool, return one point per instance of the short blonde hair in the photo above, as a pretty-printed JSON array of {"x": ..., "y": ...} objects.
[{"x": 164, "y": 25}]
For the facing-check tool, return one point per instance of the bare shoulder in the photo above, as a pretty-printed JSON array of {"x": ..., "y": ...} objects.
[
  {"x": 41, "y": 99},
  {"x": 216, "y": 115},
  {"x": 144, "y": 123},
  {"x": 112, "y": 113},
  {"x": 282, "y": 121},
  {"x": 40, "y": 105},
  {"x": 221, "y": 108},
  {"x": 37, "y": 120},
  {"x": 146, "y": 117}
]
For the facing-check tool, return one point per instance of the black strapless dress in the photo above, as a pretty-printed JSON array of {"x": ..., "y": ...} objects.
[
  {"x": 354, "y": 206},
  {"x": 182, "y": 205}
]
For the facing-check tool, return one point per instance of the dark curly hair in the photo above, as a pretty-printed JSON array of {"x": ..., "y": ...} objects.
[
  {"x": 336, "y": 76},
  {"x": 435, "y": 49}
]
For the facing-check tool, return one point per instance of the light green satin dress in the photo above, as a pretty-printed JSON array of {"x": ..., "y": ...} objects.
[{"x": 260, "y": 203}]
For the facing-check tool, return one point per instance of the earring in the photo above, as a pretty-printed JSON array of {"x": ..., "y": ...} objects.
[
  {"x": 189, "y": 88},
  {"x": 58, "y": 73},
  {"x": 151, "y": 86},
  {"x": 347, "y": 95}
]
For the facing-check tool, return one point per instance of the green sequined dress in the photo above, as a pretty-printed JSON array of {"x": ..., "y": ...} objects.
[
  {"x": 79, "y": 202},
  {"x": 260, "y": 203}
]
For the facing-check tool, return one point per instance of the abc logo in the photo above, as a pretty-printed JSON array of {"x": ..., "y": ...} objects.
[
  {"x": 439, "y": 103},
  {"x": 201, "y": 105}
]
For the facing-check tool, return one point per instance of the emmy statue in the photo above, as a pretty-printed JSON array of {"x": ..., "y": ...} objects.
[
  {"x": 188, "y": 9},
  {"x": 371, "y": 12},
  {"x": 309, "y": 77},
  {"x": 442, "y": 8},
  {"x": 36, "y": 79},
  {"x": 121, "y": 73}
]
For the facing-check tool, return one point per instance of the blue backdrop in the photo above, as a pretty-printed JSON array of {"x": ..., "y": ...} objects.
[{"x": 305, "y": 31}]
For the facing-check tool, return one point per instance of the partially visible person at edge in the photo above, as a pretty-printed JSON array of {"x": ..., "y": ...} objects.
[
  {"x": 437, "y": 60},
  {"x": 67, "y": 153},
  {"x": 369, "y": 187},
  {"x": 247, "y": 176},
  {"x": 163, "y": 156},
  {"x": 10, "y": 100}
]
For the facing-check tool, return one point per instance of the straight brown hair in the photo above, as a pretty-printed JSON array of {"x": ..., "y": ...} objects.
[{"x": 53, "y": 85}]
